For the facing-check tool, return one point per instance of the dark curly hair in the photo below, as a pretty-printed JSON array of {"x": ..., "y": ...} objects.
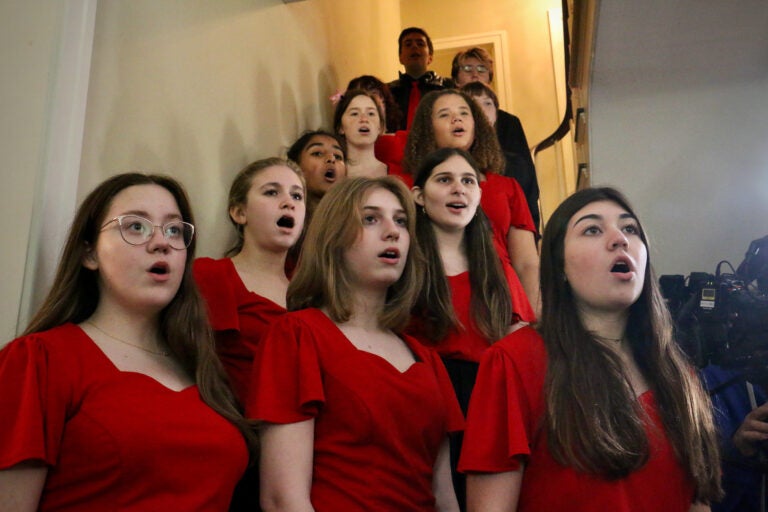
[{"x": 485, "y": 148}]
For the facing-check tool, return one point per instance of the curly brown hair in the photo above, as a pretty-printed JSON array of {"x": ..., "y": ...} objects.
[{"x": 485, "y": 148}]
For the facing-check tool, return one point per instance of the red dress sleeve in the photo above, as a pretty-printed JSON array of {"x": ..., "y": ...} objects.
[
  {"x": 34, "y": 416},
  {"x": 518, "y": 206},
  {"x": 506, "y": 405},
  {"x": 286, "y": 382}
]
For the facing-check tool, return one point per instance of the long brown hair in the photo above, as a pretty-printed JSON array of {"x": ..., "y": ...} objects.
[
  {"x": 322, "y": 277},
  {"x": 593, "y": 420},
  {"x": 490, "y": 300},
  {"x": 183, "y": 323},
  {"x": 421, "y": 141}
]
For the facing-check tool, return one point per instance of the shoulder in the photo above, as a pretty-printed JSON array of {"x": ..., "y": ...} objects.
[
  {"x": 209, "y": 266},
  {"x": 524, "y": 345},
  {"x": 63, "y": 338},
  {"x": 498, "y": 181},
  {"x": 309, "y": 320},
  {"x": 60, "y": 353}
]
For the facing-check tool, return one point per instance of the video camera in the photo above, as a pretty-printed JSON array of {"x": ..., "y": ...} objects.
[{"x": 722, "y": 318}]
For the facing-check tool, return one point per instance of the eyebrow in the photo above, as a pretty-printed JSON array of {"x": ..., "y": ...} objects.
[
  {"x": 145, "y": 214},
  {"x": 450, "y": 174},
  {"x": 378, "y": 209},
  {"x": 594, "y": 216},
  {"x": 280, "y": 185}
]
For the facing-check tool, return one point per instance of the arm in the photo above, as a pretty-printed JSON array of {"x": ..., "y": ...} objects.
[
  {"x": 442, "y": 482},
  {"x": 524, "y": 256},
  {"x": 493, "y": 492},
  {"x": 21, "y": 486},
  {"x": 286, "y": 466},
  {"x": 752, "y": 430}
]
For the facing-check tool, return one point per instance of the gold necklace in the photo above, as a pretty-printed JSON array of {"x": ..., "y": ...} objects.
[{"x": 145, "y": 349}]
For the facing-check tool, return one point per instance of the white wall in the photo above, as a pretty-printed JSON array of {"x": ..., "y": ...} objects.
[
  {"x": 29, "y": 36},
  {"x": 687, "y": 143}
]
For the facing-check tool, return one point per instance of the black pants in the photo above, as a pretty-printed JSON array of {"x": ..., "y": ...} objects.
[{"x": 463, "y": 375}]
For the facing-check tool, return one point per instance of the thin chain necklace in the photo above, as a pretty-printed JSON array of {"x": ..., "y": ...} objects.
[{"x": 145, "y": 349}]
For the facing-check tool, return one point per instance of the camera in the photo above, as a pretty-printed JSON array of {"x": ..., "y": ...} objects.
[{"x": 722, "y": 318}]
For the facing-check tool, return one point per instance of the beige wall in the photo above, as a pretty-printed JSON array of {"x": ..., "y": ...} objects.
[
  {"x": 199, "y": 89},
  {"x": 28, "y": 49}
]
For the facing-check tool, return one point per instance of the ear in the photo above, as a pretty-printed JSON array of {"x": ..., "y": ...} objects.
[
  {"x": 89, "y": 258},
  {"x": 237, "y": 214},
  {"x": 418, "y": 195}
]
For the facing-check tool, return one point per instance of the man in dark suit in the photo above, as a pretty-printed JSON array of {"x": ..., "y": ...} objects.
[{"x": 416, "y": 50}]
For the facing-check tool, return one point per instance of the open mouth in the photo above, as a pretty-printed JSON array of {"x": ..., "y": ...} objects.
[
  {"x": 330, "y": 174},
  {"x": 390, "y": 254},
  {"x": 364, "y": 129},
  {"x": 620, "y": 267},
  {"x": 286, "y": 222},
  {"x": 458, "y": 130},
  {"x": 159, "y": 269},
  {"x": 457, "y": 205}
]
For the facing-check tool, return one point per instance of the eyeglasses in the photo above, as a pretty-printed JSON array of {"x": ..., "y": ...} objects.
[
  {"x": 137, "y": 230},
  {"x": 467, "y": 68}
]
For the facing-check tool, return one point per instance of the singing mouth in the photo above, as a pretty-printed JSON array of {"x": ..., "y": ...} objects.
[
  {"x": 286, "y": 222},
  {"x": 621, "y": 267},
  {"x": 390, "y": 254},
  {"x": 159, "y": 268}
]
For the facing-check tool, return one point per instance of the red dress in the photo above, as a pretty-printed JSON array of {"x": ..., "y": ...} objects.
[
  {"x": 504, "y": 425},
  {"x": 377, "y": 430},
  {"x": 112, "y": 440},
  {"x": 469, "y": 344},
  {"x": 239, "y": 317},
  {"x": 503, "y": 201}
]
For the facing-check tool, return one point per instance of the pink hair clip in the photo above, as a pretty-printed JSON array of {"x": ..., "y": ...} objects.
[{"x": 336, "y": 98}]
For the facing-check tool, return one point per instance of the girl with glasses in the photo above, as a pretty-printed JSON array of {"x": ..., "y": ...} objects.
[
  {"x": 115, "y": 379},
  {"x": 355, "y": 415}
]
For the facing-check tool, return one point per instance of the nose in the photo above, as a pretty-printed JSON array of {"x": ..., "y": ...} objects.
[
  {"x": 391, "y": 231},
  {"x": 330, "y": 158},
  {"x": 459, "y": 188},
  {"x": 288, "y": 202},
  {"x": 619, "y": 240},
  {"x": 158, "y": 242}
]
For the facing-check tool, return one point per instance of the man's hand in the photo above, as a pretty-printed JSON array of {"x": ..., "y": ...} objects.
[{"x": 752, "y": 431}]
